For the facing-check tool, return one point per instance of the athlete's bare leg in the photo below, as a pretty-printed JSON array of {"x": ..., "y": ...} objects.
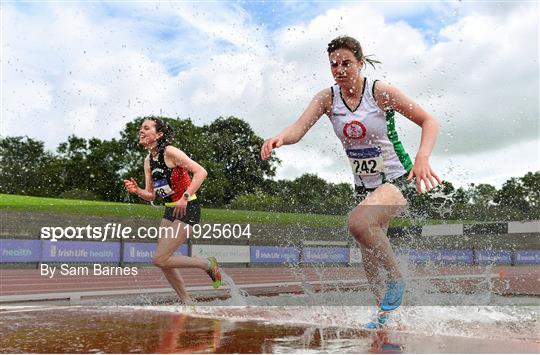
[
  {"x": 368, "y": 223},
  {"x": 375, "y": 272},
  {"x": 177, "y": 283},
  {"x": 167, "y": 262}
]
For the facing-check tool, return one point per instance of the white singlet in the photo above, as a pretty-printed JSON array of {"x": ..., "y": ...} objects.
[{"x": 370, "y": 139}]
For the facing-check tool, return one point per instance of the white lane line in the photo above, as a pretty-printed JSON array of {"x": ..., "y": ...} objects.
[
  {"x": 76, "y": 296},
  {"x": 21, "y": 309}
]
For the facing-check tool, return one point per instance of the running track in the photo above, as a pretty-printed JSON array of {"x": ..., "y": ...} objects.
[{"x": 29, "y": 285}]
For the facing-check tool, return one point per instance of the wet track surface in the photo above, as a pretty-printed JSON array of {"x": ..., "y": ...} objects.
[
  {"x": 130, "y": 330},
  {"x": 447, "y": 310}
]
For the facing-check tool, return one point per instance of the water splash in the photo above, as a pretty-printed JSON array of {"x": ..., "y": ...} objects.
[
  {"x": 482, "y": 322},
  {"x": 238, "y": 297}
]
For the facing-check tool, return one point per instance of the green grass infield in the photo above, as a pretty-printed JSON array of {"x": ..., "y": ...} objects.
[{"x": 102, "y": 208}]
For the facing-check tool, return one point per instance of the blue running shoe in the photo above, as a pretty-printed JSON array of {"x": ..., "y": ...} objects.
[
  {"x": 380, "y": 322},
  {"x": 394, "y": 295}
]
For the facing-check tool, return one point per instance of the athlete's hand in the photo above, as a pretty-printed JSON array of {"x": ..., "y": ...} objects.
[
  {"x": 131, "y": 186},
  {"x": 423, "y": 173},
  {"x": 270, "y": 144},
  {"x": 180, "y": 208}
]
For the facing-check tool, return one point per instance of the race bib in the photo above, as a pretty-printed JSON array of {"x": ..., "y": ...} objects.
[
  {"x": 162, "y": 188},
  {"x": 365, "y": 162}
]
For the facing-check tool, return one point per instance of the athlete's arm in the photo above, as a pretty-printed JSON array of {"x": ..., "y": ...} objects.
[
  {"x": 147, "y": 193},
  {"x": 179, "y": 158},
  {"x": 318, "y": 106},
  {"x": 391, "y": 98}
]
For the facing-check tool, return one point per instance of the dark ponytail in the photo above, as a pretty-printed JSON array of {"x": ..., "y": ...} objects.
[{"x": 168, "y": 133}]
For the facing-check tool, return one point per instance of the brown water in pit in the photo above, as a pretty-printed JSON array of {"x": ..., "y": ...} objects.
[{"x": 124, "y": 330}]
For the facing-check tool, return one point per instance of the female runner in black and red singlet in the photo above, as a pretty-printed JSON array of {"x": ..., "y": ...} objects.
[{"x": 166, "y": 171}]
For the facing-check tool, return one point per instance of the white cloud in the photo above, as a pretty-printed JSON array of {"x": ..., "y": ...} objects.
[
  {"x": 219, "y": 22},
  {"x": 96, "y": 77},
  {"x": 492, "y": 167},
  {"x": 68, "y": 71}
]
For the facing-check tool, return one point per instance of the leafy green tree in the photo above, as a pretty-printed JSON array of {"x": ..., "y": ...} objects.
[
  {"x": 309, "y": 190},
  {"x": 512, "y": 194},
  {"x": 213, "y": 191},
  {"x": 27, "y": 168},
  {"x": 309, "y": 193},
  {"x": 531, "y": 186},
  {"x": 441, "y": 201},
  {"x": 447, "y": 188},
  {"x": 483, "y": 195},
  {"x": 461, "y": 196},
  {"x": 229, "y": 150},
  {"x": 105, "y": 160},
  {"x": 76, "y": 172},
  {"x": 235, "y": 149},
  {"x": 93, "y": 165},
  {"x": 339, "y": 199}
]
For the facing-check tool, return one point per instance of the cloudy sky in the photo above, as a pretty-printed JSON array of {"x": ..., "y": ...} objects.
[{"x": 88, "y": 68}]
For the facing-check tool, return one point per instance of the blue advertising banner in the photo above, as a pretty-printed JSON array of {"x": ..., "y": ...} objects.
[
  {"x": 454, "y": 256},
  {"x": 268, "y": 254},
  {"x": 325, "y": 255},
  {"x": 143, "y": 252},
  {"x": 80, "y": 251},
  {"x": 19, "y": 250},
  {"x": 527, "y": 257},
  {"x": 493, "y": 257},
  {"x": 417, "y": 256},
  {"x": 438, "y": 256}
]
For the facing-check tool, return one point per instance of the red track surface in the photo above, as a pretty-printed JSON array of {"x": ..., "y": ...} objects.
[
  {"x": 70, "y": 330},
  {"x": 92, "y": 330},
  {"x": 506, "y": 280}
]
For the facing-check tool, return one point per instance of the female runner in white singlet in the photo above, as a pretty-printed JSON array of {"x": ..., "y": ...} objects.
[{"x": 361, "y": 111}]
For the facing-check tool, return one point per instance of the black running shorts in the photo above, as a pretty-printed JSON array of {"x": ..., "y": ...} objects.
[
  {"x": 407, "y": 188},
  {"x": 192, "y": 216}
]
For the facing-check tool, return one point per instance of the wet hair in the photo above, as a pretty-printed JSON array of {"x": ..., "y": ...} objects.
[
  {"x": 168, "y": 133},
  {"x": 353, "y": 45}
]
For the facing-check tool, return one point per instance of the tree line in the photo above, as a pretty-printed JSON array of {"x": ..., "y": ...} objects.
[{"x": 229, "y": 150}]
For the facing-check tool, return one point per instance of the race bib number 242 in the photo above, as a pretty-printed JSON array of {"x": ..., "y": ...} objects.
[{"x": 368, "y": 161}]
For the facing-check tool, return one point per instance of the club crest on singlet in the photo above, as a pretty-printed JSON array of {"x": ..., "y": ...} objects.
[{"x": 354, "y": 130}]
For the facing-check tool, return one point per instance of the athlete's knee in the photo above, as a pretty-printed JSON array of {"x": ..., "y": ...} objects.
[
  {"x": 361, "y": 230},
  {"x": 160, "y": 261},
  {"x": 361, "y": 224}
]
